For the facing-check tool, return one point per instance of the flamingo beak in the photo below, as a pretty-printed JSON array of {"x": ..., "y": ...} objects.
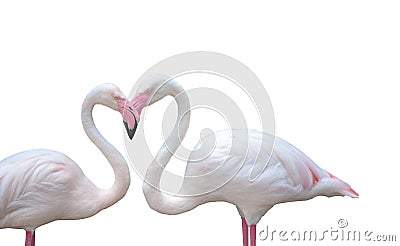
[
  {"x": 129, "y": 116},
  {"x": 130, "y": 131}
]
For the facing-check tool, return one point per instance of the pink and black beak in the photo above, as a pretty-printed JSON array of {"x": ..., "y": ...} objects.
[
  {"x": 130, "y": 131},
  {"x": 130, "y": 116}
]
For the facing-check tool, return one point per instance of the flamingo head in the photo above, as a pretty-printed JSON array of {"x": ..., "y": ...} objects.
[
  {"x": 111, "y": 96},
  {"x": 129, "y": 115},
  {"x": 131, "y": 111}
]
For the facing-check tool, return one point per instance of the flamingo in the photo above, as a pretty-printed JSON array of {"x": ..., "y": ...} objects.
[
  {"x": 289, "y": 176},
  {"x": 40, "y": 186}
]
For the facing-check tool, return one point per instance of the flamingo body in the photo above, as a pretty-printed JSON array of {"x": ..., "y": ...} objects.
[
  {"x": 248, "y": 168},
  {"x": 40, "y": 186},
  {"x": 287, "y": 174}
]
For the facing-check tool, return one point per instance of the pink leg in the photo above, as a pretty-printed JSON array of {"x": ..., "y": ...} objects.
[
  {"x": 245, "y": 232},
  {"x": 30, "y": 238},
  {"x": 253, "y": 235}
]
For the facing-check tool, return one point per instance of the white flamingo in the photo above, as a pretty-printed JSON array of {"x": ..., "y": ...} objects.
[
  {"x": 289, "y": 176},
  {"x": 40, "y": 186}
]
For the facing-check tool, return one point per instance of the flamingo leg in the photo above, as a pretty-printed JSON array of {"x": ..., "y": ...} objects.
[
  {"x": 30, "y": 238},
  {"x": 253, "y": 235},
  {"x": 245, "y": 232}
]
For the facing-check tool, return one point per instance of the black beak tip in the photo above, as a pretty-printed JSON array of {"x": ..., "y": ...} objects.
[{"x": 131, "y": 132}]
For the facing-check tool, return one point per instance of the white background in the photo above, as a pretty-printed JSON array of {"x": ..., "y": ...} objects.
[{"x": 331, "y": 69}]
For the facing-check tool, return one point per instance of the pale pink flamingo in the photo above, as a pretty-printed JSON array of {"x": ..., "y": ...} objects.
[
  {"x": 40, "y": 186},
  {"x": 289, "y": 176}
]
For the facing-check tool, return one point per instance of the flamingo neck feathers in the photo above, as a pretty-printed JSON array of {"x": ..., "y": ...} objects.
[
  {"x": 107, "y": 197},
  {"x": 157, "y": 199}
]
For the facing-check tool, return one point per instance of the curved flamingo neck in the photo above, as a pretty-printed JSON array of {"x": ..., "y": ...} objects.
[
  {"x": 172, "y": 142},
  {"x": 157, "y": 199},
  {"x": 113, "y": 156}
]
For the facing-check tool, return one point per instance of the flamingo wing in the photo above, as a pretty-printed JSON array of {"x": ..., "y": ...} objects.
[
  {"x": 300, "y": 168},
  {"x": 33, "y": 187}
]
